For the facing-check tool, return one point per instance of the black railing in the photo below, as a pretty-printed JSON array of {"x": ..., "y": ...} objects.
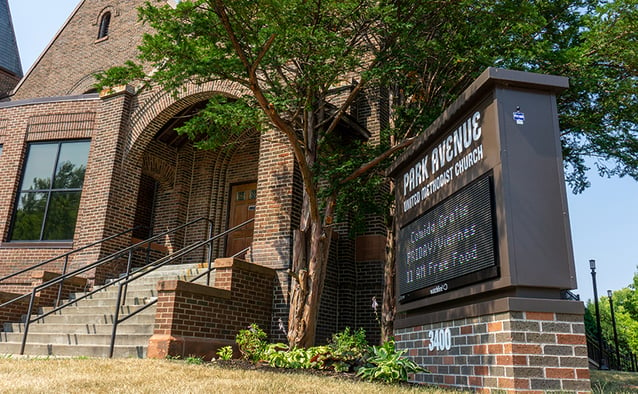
[
  {"x": 167, "y": 260},
  {"x": 128, "y": 251},
  {"x": 65, "y": 265},
  {"x": 125, "y": 278},
  {"x": 606, "y": 358}
]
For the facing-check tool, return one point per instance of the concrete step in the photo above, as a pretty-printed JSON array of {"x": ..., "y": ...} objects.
[
  {"x": 122, "y": 328},
  {"x": 142, "y": 318},
  {"x": 84, "y": 328},
  {"x": 77, "y": 339},
  {"x": 111, "y": 294},
  {"x": 59, "y": 350},
  {"x": 174, "y": 270},
  {"x": 100, "y": 307},
  {"x": 106, "y": 302},
  {"x": 151, "y": 280}
]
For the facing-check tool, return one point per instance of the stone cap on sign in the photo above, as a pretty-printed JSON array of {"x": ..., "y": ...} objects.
[
  {"x": 491, "y": 307},
  {"x": 489, "y": 79}
]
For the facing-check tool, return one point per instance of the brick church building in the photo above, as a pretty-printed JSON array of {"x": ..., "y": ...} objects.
[{"x": 79, "y": 166}]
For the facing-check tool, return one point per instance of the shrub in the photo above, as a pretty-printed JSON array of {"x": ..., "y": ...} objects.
[
  {"x": 347, "y": 351},
  {"x": 281, "y": 356},
  {"x": 252, "y": 342},
  {"x": 350, "y": 344},
  {"x": 386, "y": 364}
]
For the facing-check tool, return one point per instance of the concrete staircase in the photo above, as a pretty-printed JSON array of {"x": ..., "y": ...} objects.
[{"x": 84, "y": 329}]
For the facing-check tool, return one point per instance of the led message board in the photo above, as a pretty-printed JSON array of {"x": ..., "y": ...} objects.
[{"x": 451, "y": 245}]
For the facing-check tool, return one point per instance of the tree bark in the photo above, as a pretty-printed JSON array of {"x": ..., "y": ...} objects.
[
  {"x": 310, "y": 258},
  {"x": 388, "y": 309}
]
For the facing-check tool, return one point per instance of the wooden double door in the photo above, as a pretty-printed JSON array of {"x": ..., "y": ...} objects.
[{"x": 243, "y": 199}]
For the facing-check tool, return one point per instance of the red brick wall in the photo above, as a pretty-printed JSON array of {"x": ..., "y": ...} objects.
[
  {"x": 195, "y": 320},
  {"x": 69, "y": 64},
  {"x": 507, "y": 352},
  {"x": 21, "y": 123},
  {"x": 14, "y": 311},
  {"x": 49, "y": 295}
]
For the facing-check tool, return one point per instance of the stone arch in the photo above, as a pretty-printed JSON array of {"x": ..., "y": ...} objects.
[
  {"x": 159, "y": 169},
  {"x": 206, "y": 191},
  {"x": 83, "y": 85},
  {"x": 153, "y": 108},
  {"x": 108, "y": 9}
]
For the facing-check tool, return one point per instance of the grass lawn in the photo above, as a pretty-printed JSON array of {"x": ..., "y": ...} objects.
[
  {"x": 614, "y": 382},
  {"x": 40, "y": 375}
]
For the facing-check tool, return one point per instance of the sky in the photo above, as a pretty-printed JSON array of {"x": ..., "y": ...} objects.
[{"x": 604, "y": 218}]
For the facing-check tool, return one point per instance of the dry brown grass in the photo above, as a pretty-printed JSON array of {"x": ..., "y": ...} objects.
[
  {"x": 164, "y": 376},
  {"x": 607, "y": 382}
]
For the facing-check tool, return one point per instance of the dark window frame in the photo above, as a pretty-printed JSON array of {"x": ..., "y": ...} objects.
[
  {"x": 49, "y": 192},
  {"x": 105, "y": 23}
]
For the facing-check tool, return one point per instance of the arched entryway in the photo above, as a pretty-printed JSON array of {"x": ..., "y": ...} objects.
[{"x": 180, "y": 183}]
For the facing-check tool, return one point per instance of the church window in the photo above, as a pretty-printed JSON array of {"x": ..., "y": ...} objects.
[
  {"x": 104, "y": 25},
  {"x": 49, "y": 197}
]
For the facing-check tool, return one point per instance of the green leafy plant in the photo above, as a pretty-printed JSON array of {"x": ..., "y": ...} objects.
[
  {"x": 252, "y": 343},
  {"x": 225, "y": 353},
  {"x": 281, "y": 356},
  {"x": 348, "y": 350},
  {"x": 350, "y": 343},
  {"x": 386, "y": 364},
  {"x": 193, "y": 360}
]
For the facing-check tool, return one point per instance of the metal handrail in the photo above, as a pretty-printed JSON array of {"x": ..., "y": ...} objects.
[
  {"x": 65, "y": 266},
  {"x": 60, "y": 279},
  {"x": 158, "y": 264},
  {"x": 128, "y": 250},
  {"x": 628, "y": 361},
  {"x": 127, "y": 277}
]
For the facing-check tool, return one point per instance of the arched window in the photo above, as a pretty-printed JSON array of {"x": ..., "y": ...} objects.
[{"x": 104, "y": 25}]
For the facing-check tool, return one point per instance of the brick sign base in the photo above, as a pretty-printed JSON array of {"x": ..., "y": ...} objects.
[{"x": 503, "y": 352}]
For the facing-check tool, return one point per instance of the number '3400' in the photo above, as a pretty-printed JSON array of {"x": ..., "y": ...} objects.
[{"x": 440, "y": 339}]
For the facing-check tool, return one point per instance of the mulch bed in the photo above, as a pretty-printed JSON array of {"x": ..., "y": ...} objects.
[{"x": 247, "y": 365}]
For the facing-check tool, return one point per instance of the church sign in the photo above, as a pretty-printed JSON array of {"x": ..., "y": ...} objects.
[
  {"x": 447, "y": 234},
  {"x": 480, "y": 195}
]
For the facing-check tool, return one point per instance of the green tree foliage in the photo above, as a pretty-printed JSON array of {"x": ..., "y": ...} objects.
[
  {"x": 625, "y": 303},
  {"x": 293, "y": 59},
  {"x": 302, "y": 64},
  {"x": 594, "y": 43}
]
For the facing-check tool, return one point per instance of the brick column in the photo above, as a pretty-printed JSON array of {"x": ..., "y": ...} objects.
[
  {"x": 110, "y": 189},
  {"x": 277, "y": 190},
  {"x": 512, "y": 351}
]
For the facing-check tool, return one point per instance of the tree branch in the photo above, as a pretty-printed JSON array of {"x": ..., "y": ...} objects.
[
  {"x": 374, "y": 162},
  {"x": 270, "y": 110}
]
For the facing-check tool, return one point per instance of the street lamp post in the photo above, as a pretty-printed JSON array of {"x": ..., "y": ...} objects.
[
  {"x": 592, "y": 266},
  {"x": 613, "y": 323}
]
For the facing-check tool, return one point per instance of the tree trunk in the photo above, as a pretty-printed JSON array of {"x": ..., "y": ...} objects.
[
  {"x": 310, "y": 260},
  {"x": 388, "y": 310},
  {"x": 311, "y": 246}
]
